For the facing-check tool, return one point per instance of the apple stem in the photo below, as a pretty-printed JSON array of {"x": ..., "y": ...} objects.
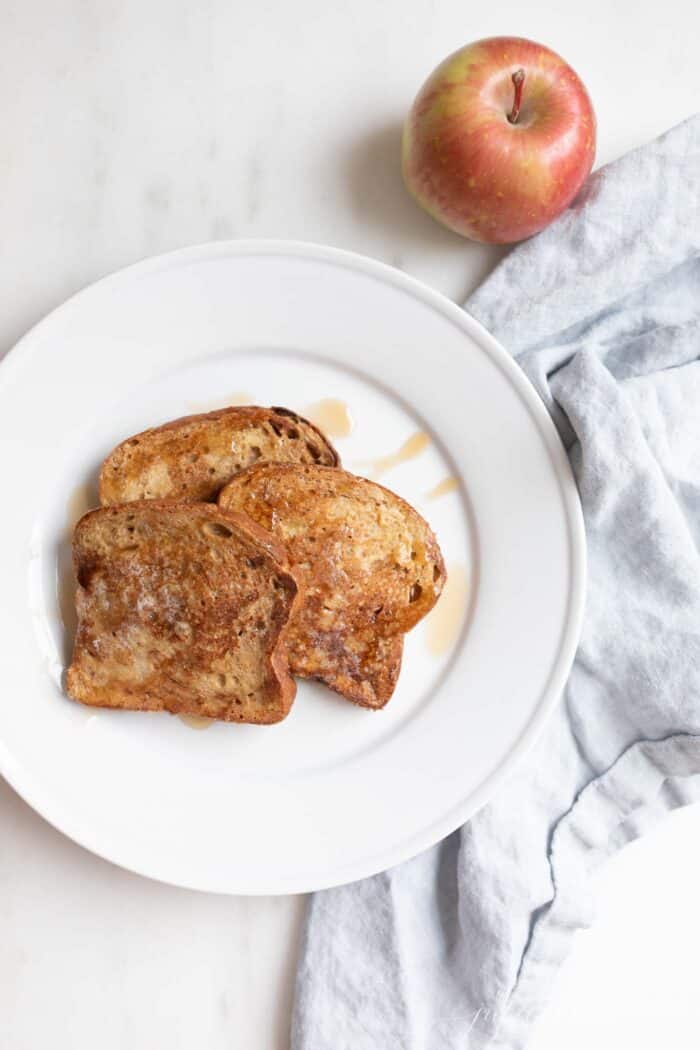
[{"x": 518, "y": 79}]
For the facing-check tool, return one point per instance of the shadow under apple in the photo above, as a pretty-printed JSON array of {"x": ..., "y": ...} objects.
[{"x": 379, "y": 198}]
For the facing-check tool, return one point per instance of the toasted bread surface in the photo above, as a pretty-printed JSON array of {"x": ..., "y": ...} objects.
[
  {"x": 190, "y": 459},
  {"x": 368, "y": 564},
  {"x": 181, "y": 607}
]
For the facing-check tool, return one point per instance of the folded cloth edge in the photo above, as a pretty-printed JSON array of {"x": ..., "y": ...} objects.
[{"x": 649, "y": 779}]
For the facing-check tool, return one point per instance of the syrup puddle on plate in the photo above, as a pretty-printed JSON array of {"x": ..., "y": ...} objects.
[
  {"x": 410, "y": 449},
  {"x": 239, "y": 397},
  {"x": 442, "y": 488},
  {"x": 80, "y": 501},
  {"x": 445, "y": 621},
  {"x": 196, "y": 721},
  {"x": 331, "y": 416}
]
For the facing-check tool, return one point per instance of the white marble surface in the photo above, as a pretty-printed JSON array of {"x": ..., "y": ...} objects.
[{"x": 130, "y": 128}]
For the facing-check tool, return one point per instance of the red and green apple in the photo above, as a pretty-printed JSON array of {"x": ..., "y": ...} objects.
[{"x": 499, "y": 140}]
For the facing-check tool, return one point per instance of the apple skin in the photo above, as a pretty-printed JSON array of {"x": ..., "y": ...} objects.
[{"x": 479, "y": 174}]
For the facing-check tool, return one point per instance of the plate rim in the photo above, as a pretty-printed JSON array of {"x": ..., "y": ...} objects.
[{"x": 424, "y": 838}]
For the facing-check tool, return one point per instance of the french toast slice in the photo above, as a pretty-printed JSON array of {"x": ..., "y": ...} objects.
[
  {"x": 191, "y": 458},
  {"x": 368, "y": 565},
  {"x": 181, "y": 607}
]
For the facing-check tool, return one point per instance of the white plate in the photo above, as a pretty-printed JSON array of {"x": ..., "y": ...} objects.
[{"x": 335, "y": 792}]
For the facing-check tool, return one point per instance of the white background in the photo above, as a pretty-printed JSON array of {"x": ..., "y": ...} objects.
[{"x": 130, "y": 127}]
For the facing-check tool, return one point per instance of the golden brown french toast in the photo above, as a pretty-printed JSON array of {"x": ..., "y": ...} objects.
[
  {"x": 181, "y": 607},
  {"x": 190, "y": 459},
  {"x": 368, "y": 565}
]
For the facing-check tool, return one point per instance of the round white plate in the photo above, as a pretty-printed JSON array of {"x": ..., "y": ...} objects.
[{"x": 335, "y": 792}]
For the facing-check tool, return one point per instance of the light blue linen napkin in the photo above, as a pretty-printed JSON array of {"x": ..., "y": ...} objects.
[{"x": 458, "y": 947}]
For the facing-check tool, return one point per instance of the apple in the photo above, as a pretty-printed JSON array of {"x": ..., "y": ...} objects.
[{"x": 499, "y": 140}]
